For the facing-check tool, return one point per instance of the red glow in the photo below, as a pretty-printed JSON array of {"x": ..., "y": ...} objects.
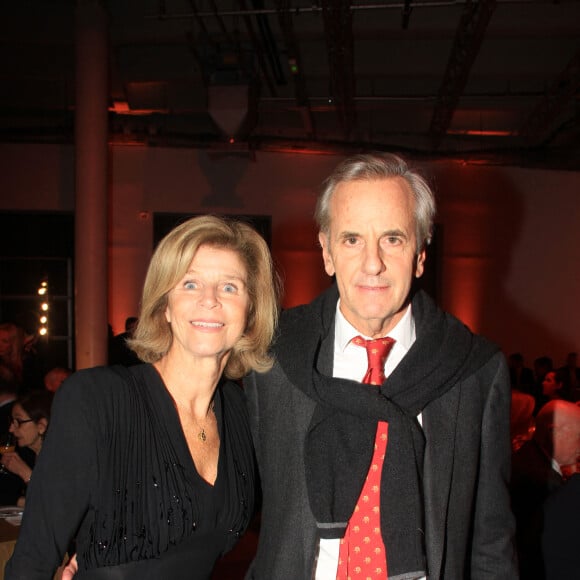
[{"x": 480, "y": 133}]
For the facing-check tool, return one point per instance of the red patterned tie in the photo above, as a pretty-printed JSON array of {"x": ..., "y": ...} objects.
[{"x": 362, "y": 551}]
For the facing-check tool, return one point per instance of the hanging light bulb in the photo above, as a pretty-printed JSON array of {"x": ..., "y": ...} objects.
[{"x": 44, "y": 307}]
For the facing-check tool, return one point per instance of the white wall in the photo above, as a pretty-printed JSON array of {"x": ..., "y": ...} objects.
[{"x": 510, "y": 237}]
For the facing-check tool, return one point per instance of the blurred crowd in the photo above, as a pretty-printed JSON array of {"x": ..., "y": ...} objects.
[
  {"x": 545, "y": 478},
  {"x": 27, "y": 386}
]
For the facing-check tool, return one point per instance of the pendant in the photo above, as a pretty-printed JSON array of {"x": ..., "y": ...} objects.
[{"x": 202, "y": 436}]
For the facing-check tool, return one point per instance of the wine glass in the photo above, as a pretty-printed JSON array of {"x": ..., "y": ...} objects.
[{"x": 7, "y": 445}]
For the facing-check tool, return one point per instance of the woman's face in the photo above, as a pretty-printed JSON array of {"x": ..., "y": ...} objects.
[
  {"x": 27, "y": 432},
  {"x": 550, "y": 384},
  {"x": 208, "y": 308}
]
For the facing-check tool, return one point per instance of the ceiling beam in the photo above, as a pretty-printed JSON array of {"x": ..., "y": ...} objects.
[
  {"x": 337, "y": 17},
  {"x": 295, "y": 59},
  {"x": 558, "y": 96},
  {"x": 468, "y": 40}
]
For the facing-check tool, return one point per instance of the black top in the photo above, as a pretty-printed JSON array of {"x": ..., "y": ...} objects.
[
  {"x": 115, "y": 471},
  {"x": 561, "y": 531}
]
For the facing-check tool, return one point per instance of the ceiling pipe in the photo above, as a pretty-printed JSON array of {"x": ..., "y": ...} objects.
[{"x": 305, "y": 9}]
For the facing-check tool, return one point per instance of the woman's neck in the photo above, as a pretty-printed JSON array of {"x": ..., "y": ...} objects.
[{"x": 191, "y": 384}]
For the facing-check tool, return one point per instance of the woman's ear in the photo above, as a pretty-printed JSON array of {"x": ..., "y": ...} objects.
[{"x": 42, "y": 425}]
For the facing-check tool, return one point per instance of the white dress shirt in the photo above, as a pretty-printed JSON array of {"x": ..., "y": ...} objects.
[{"x": 351, "y": 362}]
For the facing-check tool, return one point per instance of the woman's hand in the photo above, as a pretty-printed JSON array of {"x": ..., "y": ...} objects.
[
  {"x": 14, "y": 463},
  {"x": 70, "y": 569}
]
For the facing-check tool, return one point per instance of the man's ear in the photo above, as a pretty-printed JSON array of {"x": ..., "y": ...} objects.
[
  {"x": 420, "y": 263},
  {"x": 326, "y": 256}
]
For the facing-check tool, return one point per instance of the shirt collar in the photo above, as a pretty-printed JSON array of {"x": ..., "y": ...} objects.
[{"x": 403, "y": 332}]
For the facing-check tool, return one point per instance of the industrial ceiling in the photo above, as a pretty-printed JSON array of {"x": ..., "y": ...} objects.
[{"x": 488, "y": 81}]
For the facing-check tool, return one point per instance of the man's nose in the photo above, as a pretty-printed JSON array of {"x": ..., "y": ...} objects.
[{"x": 373, "y": 259}]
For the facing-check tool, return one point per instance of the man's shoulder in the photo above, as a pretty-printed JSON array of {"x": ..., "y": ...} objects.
[{"x": 317, "y": 312}]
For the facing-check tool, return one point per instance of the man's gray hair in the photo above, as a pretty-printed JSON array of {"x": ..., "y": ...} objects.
[{"x": 378, "y": 166}]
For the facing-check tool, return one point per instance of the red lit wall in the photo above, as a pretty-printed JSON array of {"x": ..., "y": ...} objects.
[{"x": 510, "y": 248}]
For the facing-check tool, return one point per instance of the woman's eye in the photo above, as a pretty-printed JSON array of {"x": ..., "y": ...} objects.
[
  {"x": 190, "y": 285},
  {"x": 230, "y": 288}
]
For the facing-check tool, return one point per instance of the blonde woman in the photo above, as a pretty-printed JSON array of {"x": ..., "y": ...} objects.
[{"x": 152, "y": 468}]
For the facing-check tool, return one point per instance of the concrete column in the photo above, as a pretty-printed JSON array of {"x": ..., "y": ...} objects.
[{"x": 91, "y": 180}]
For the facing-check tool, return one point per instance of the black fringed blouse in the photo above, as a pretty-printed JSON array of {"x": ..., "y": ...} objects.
[{"x": 115, "y": 473}]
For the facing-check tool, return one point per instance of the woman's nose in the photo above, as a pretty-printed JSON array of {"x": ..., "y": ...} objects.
[{"x": 209, "y": 298}]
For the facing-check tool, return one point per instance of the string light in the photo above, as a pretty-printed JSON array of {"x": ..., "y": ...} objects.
[{"x": 44, "y": 308}]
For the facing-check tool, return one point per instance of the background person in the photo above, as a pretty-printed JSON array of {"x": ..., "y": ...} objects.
[
  {"x": 152, "y": 467},
  {"x": 443, "y": 413},
  {"x": 537, "y": 472},
  {"x": 29, "y": 422},
  {"x": 570, "y": 374},
  {"x": 119, "y": 351},
  {"x": 54, "y": 378},
  {"x": 11, "y": 486},
  {"x": 551, "y": 389},
  {"x": 561, "y": 531},
  {"x": 17, "y": 352}
]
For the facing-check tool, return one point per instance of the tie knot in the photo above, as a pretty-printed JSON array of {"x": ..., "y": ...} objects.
[{"x": 377, "y": 352}]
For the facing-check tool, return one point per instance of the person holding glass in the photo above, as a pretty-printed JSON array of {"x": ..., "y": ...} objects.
[
  {"x": 151, "y": 468},
  {"x": 28, "y": 427}
]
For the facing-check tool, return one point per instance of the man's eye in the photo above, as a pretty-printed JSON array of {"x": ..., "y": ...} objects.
[{"x": 351, "y": 240}]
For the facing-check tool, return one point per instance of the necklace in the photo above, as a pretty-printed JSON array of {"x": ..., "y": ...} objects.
[{"x": 201, "y": 435}]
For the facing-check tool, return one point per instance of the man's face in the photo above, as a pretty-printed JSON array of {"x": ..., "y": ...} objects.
[{"x": 371, "y": 247}]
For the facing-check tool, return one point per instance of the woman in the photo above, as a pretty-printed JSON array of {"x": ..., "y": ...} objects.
[
  {"x": 28, "y": 425},
  {"x": 152, "y": 468},
  {"x": 551, "y": 389}
]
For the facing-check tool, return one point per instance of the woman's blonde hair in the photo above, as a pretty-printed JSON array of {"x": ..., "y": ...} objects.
[{"x": 170, "y": 261}]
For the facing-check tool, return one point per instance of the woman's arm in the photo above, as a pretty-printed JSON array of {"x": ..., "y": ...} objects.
[
  {"x": 60, "y": 487},
  {"x": 14, "y": 463}
]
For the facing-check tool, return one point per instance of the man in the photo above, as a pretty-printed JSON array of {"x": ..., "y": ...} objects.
[
  {"x": 119, "y": 351},
  {"x": 521, "y": 377},
  {"x": 537, "y": 474},
  {"x": 571, "y": 377},
  {"x": 561, "y": 531},
  {"x": 55, "y": 377},
  {"x": 443, "y": 411}
]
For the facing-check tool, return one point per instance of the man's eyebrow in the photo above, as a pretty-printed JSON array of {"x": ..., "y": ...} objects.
[{"x": 395, "y": 232}]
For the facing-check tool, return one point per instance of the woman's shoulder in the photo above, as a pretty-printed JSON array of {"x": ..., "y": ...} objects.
[
  {"x": 95, "y": 383},
  {"x": 99, "y": 376}
]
